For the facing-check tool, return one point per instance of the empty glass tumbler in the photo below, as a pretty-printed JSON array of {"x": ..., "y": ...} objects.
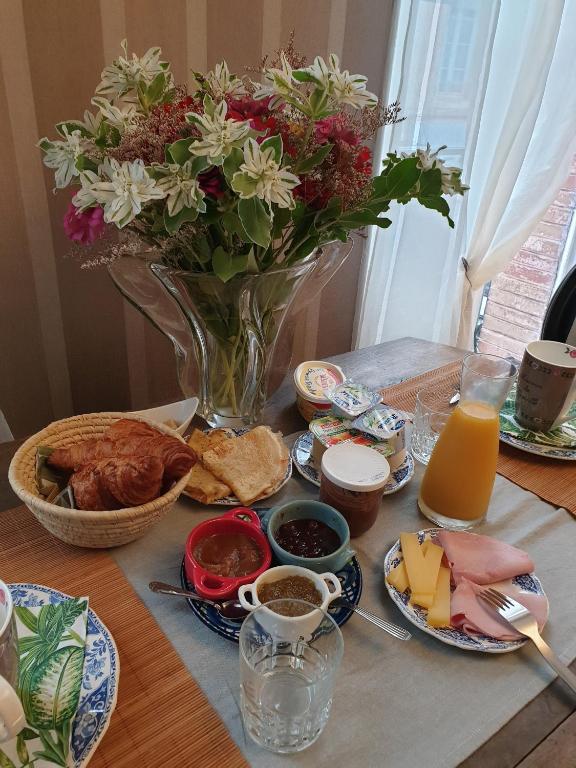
[{"x": 288, "y": 665}]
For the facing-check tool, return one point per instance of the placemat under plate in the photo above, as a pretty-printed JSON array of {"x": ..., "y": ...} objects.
[
  {"x": 162, "y": 717},
  {"x": 550, "y": 479}
]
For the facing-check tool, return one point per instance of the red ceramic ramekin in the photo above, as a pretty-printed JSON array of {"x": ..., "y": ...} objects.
[{"x": 210, "y": 585}]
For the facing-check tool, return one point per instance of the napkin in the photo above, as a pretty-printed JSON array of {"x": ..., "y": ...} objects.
[{"x": 51, "y": 641}]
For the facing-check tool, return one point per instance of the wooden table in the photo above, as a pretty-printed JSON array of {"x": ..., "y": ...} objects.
[{"x": 541, "y": 734}]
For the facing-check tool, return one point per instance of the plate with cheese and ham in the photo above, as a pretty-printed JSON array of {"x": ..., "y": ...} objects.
[{"x": 434, "y": 575}]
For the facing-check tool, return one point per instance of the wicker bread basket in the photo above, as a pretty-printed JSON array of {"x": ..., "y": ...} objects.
[{"x": 75, "y": 526}]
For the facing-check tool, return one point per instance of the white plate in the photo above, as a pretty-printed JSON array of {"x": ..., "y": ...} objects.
[
  {"x": 232, "y": 501},
  {"x": 100, "y": 677},
  {"x": 449, "y": 635},
  {"x": 304, "y": 462},
  {"x": 181, "y": 412}
]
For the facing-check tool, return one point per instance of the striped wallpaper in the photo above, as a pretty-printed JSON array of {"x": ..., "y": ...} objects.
[{"x": 68, "y": 342}]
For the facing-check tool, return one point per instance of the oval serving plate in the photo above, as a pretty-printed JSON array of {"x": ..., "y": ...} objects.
[
  {"x": 350, "y": 577},
  {"x": 232, "y": 501},
  {"x": 302, "y": 458},
  {"x": 100, "y": 675},
  {"x": 451, "y": 636}
]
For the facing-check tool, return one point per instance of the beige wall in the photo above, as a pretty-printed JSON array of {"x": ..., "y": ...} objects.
[{"x": 68, "y": 342}]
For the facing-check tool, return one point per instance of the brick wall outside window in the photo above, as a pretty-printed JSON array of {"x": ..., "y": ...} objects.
[{"x": 518, "y": 296}]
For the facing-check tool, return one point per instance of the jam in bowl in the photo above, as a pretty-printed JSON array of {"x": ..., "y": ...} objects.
[
  {"x": 309, "y": 534},
  {"x": 225, "y": 552}
]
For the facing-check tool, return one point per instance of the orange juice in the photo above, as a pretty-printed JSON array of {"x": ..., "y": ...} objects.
[{"x": 459, "y": 478}]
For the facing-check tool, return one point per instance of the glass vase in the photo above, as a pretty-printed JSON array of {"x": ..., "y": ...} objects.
[{"x": 224, "y": 333}]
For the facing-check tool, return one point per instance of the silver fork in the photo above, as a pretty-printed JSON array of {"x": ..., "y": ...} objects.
[
  {"x": 522, "y": 620},
  {"x": 387, "y": 626}
]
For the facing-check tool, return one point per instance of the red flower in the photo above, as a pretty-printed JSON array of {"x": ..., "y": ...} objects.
[
  {"x": 84, "y": 226},
  {"x": 211, "y": 183},
  {"x": 335, "y": 128},
  {"x": 363, "y": 162}
]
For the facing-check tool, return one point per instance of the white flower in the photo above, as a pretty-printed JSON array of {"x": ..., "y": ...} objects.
[
  {"x": 121, "y": 116},
  {"x": 219, "y": 136},
  {"x": 222, "y": 83},
  {"x": 343, "y": 87},
  {"x": 427, "y": 160},
  {"x": 279, "y": 83},
  {"x": 92, "y": 122},
  {"x": 260, "y": 175},
  {"x": 124, "y": 74},
  {"x": 62, "y": 156},
  {"x": 128, "y": 189},
  {"x": 86, "y": 197},
  {"x": 180, "y": 187}
]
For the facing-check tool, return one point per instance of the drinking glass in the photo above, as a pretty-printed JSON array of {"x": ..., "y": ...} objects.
[
  {"x": 459, "y": 478},
  {"x": 287, "y": 669},
  {"x": 430, "y": 416}
]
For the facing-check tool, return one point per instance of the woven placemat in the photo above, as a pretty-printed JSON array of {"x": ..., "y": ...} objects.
[
  {"x": 162, "y": 718},
  {"x": 551, "y": 479}
]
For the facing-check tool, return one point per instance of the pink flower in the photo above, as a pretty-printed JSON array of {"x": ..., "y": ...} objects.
[{"x": 84, "y": 226}]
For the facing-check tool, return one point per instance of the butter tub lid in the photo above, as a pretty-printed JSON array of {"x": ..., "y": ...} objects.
[
  {"x": 355, "y": 467},
  {"x": 314, "y": 377}
]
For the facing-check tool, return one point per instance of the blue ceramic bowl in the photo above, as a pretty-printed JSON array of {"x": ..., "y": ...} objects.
[{"x": 315, "y": 510}]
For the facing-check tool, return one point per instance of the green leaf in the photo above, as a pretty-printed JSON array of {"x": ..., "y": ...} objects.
[
  {"x": 179, "y": 151},
  {"x": 173, "y": 223},
  {"x": 232, "y": 163},
  {"x": 21, "y": 748},
  {"x": 362, "y": 218},
  {"x": 255, "y": 220},
  {"x": 199, "y": 165},
  {"x": 306, "y": 165},
  {"x": 399, "y": 180},
  {"x": 52, "y": 695},
  {"x": 437, "y": 203},
  {"x": 72, "y": 125},
  {"x": 332, "y": 210},
  {"x": 28, "y": 734},
  {"x": 156, "y": 88},
  {"x": 304, "y": 249},
  {"x": 318, "y": 101},
  {"x": 5, "y": 761},
  {"x": 71, "y": 609},
  {"x": 84, "y": 163},
  {"x": 281, "y": 218},
  {"x": 233, "y": 225},
  {"x": 430, "y": 183},
  {"x": 27, "y": 618},
  {"x": 226, "y": 265},
  {"x": 276, "y": 143},
  {"x": 303, "y": 77}
]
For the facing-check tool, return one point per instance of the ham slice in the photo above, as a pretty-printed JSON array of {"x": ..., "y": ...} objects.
[
  {"x": 469, "y": 615},
  {"x": 481, "y": 559}
]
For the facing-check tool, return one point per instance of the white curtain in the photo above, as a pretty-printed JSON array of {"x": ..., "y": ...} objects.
[{"x": 496, "y": 82}]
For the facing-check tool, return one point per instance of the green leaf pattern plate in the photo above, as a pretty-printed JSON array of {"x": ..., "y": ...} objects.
[{"x": 558, "y": 443}]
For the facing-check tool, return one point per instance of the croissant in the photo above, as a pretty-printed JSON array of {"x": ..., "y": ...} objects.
[
  {"x": 89, "y": 491},
  {"x": 128, "y": 438},
  {"x": 119, "y": 482}
]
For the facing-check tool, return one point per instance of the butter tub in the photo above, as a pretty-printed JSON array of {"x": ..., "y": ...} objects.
[{"x": 312, "y": 379}]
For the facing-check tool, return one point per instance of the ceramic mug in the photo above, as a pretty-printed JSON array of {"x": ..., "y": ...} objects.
[
  {"x": 12, "y": 718},
  {"x": 546, "y": 385}
]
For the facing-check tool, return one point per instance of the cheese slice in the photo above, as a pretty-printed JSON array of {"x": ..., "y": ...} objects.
[
  {"x": 398, "y": 577},
  {"x": 425, "y": 544},
  {"x": 422, "y": 570},
  {"x": 439, "y": 611}
]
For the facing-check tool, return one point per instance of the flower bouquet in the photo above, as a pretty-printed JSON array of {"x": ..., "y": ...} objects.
[{"x": 232, "y": 194}]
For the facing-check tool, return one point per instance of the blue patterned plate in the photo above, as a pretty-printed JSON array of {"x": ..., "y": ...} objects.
[
  {"x": 232, "y": 501},
  {"x": 451, "y": 636},
  {"x": 302, "y": 458},
  {"x": 350, "y": 577},
  {"x": 100, "y": 678}
]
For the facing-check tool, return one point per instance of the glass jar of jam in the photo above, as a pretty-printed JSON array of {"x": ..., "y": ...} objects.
[{"x": 352, "y": 480}]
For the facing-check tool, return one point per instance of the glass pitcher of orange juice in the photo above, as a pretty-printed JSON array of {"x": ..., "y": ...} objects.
[{"x": 458, "y": 481}]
